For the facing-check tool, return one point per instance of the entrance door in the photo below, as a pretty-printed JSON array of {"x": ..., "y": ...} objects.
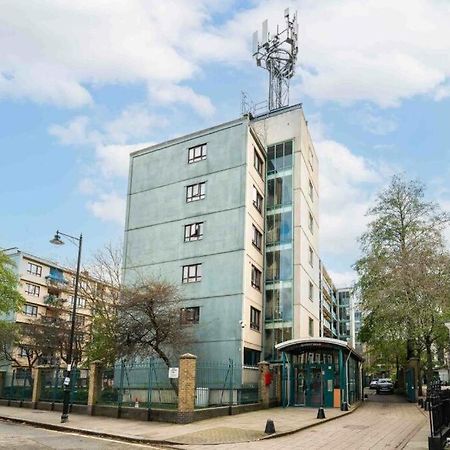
[
  {"x": 299, "y": 386},
  {"x": 320, "y": 381}
]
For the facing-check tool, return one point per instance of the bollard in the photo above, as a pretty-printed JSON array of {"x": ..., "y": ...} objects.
[
  {"x": 321, "y": 413},
  {"x": 270, "y": 427},
  {"x": 344, "y": 406}
]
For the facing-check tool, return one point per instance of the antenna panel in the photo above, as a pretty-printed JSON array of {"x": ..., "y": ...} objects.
[
  {"x": 265, "y": 32},
  {"x": 255, "y": 43}
]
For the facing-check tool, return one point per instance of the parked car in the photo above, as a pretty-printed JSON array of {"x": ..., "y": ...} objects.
[
  {"x": 385, "y": 385},
  {"x": 373, "y": 384}
]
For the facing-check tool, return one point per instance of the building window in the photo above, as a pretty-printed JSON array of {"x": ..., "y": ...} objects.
[
  {"x": 257, "y": 199},
  {"x": 311, "y": 191},
  {"x": 192, "y": 273},
  {"x": 34, "y": 269},
  {"x": 257, "y": 238},
  {"x": 258, "y": 163},
  {"x": 311, "y": 291},
  {"x": 255, "y": 318},
  {"x": 79, "y": 319},
  {"x": 256, "y": 278},
  {"x": 193, "y": 232},
  {"x": 195, "y": 192},
  {"x": 24, "y": 352},
  {"x": 311, "y": 327},
  {"x": 311, "y": 158},
  {"x": 30, "y": 310},
  {"x": 32, "y": 289},
  {"x": 190, "y": 315},
  {"x": 197, "y": 153},
  {"x": 311, "y": 223},
  {"x": 251, "y": 357},
  {"x": 311, "y": 257},
  {"x": 81, "y": 302}
]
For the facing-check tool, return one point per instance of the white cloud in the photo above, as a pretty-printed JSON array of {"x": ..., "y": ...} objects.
[
  {"x": 343, "y": 279},
  {"x": 169, "y": 94},
  {"x": 109, "y": 207},
  {"x": 347, "y": 186},
  {"x": 350, "y": 50},
  {"x": 113, "y": 160},
  {"x": 111, "y": 144}
]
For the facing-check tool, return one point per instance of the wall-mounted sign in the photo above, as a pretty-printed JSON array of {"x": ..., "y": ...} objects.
[{"x": 173, "y": 372}]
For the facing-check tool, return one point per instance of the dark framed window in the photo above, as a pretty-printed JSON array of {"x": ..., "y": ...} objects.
[
  {"x": 80, "y": 320},
  {"x": 24, "y": 351},
  {"x": 30, "y": 310},
  {"x": 311, "y": 291},
  {"x": 311, "y": 257},
  {"x": 33, "y": 289},
  {"x": 193, "y": 232},
  {"x": 311, "y": 223},
  {"x": 192, "y": 273},
  {"x": 255, "y": 319},
  {"x": 256, "y": 278},
  {"x": 251, "y": 357},
  {"x": 34, "y": 269},
  {"x": 257, "y": 199},
  {"x": 197, "y": 153},
  {"x": 257, "y": 238},
  {"x": 195, "y": 192},
  {"x": 311, "y": 327},
  {"x": 311, "y": 191},
  {"x": 258, "y": 163},
  {"x": 190, "y": 315}
]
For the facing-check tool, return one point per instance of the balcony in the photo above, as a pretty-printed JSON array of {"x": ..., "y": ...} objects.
[
  {"x": 53, "y": 301},
  {"x": 56, "y": 281}
]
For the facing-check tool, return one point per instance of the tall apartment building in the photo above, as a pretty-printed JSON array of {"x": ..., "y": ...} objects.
[
  {"x": 48, "y": 291},
  {"x": 230, "y": 214},
  {"x": 329, "y": 323},
  {"x": 350, "y": 317}
]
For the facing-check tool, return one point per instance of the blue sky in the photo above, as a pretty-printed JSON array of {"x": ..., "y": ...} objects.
[{"x": 84, "y": 83}]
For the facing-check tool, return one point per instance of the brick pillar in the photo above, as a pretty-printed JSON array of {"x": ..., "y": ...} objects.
[
  {"x": 264, "y": 389},
  {"x": 37, "y": 379},
  {"x": 186, "y": 388},
  {"x": 95, "y": 384}
]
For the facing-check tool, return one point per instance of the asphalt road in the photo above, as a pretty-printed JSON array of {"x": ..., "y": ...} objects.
[{"x": 25, "y": 437}]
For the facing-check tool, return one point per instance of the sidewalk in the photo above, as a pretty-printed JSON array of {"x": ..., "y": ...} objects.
[{"x": 221, "y": 430}]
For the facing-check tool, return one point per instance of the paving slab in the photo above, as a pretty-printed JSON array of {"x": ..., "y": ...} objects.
[{"x": 227, "y": 429}]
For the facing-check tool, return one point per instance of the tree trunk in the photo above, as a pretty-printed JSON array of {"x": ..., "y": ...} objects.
[{"x": 429, "y": 353}]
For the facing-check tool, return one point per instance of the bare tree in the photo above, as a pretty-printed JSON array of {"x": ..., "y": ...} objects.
[{"x": 150, "y": 321}]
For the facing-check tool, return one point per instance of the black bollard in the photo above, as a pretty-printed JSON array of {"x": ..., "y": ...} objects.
[
  {"x": 270, "y": 427},
  {"x": 344, "y": 406},
  {"x": 321, "y": 413}
]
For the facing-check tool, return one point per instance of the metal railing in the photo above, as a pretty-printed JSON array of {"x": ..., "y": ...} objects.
[{"x": 438, "y": 402}]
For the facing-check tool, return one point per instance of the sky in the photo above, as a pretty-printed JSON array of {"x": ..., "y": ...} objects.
[{"x": 84, "y": 83}]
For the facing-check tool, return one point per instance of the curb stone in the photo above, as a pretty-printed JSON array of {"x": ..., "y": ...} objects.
[{"x": 166, "y": 443}]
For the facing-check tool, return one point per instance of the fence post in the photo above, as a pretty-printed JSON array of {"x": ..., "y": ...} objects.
[
  {"x": 37, "y": 380},
  {"x": 186, "y": 388},
  {"x": 95, "y": 383},
  {"x": 264, "y": 383},
  {"x": 2, "y": 382}
]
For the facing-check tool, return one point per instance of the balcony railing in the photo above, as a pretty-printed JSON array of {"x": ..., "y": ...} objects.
[
  {"x": 53, "y": 300},
  {"x": 56, "y": 283}
]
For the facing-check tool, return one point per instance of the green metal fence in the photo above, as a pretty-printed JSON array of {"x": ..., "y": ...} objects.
[
  {"x": 140, "y": 385},
  {"x": 224, "y": 383},
  {"x": 18, "y": 385},
  {"x": 52, "y": 387}
]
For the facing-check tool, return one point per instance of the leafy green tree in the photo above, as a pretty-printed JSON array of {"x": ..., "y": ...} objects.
[
  {"x": 10, "y": 297},
  {"x": 404, "y": 273}
]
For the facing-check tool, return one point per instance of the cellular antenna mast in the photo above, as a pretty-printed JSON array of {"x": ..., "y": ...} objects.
[{"x": 278, "y": 55}]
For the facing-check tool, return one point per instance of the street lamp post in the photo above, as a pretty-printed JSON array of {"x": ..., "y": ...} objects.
[{"x": 67, "y": 386}]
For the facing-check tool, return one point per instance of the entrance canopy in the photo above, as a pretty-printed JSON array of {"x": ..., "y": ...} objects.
[{"x": 303, "y": 345}]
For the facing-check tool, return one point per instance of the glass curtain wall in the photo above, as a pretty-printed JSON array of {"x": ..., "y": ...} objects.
[{"x": 279, "y": 238}]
